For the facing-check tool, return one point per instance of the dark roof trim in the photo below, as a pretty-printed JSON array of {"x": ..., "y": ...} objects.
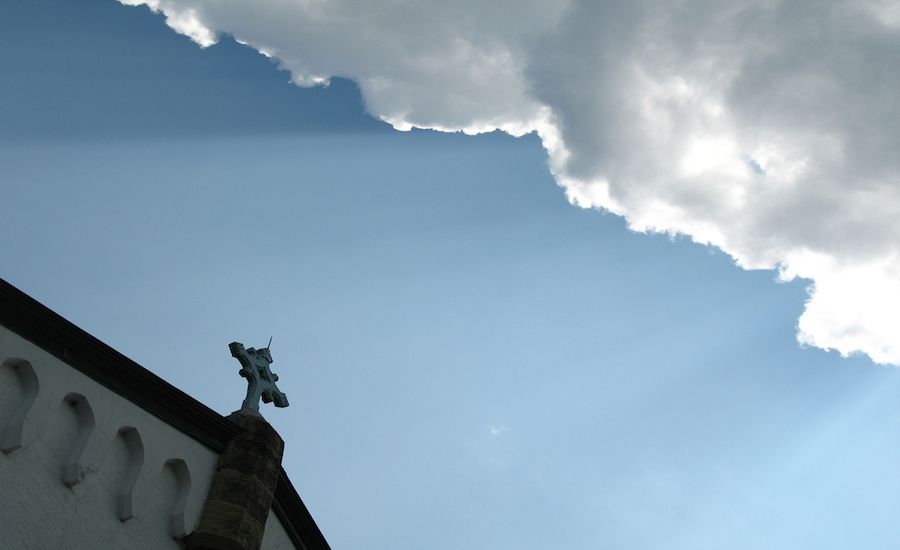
[{"x": 35, "y": 322}]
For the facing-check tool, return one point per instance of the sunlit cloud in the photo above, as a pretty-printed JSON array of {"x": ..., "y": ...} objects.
[{"x": 764, "y": 128}]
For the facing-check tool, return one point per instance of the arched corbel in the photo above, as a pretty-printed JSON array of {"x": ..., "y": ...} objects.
[
  {"x": 134, "y": 447},
  {"x": 13, "y": 427},
  {"x": 177, "y": 522},
  {"x": 73, "y": 472}
]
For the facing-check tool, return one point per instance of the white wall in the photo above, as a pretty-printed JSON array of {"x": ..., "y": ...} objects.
[
  {"x": 93, "y": 469},
  {"x": 275, "y": 537}
]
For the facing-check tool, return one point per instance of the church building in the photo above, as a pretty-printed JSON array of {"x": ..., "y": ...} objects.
[{"x": 96, "y": 452}]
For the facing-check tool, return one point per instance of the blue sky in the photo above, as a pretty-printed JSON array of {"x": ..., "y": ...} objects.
[{"x": 471, "y": 360}]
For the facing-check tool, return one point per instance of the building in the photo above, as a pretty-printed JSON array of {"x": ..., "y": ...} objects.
[{"x": 98, "y": 452}]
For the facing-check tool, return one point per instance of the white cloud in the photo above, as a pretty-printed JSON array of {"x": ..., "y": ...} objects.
[
  {"x": 182, "y": 20},
  {"x": 766, "y": 128}
]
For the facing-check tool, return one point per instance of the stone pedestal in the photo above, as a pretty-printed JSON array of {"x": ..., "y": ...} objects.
[{"x": 243, "y": 485}]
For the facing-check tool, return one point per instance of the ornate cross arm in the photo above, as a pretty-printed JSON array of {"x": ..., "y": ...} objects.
[{"x": 260, "y": 378}]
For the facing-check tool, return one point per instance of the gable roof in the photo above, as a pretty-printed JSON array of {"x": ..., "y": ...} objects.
[{"x": 48, "y": 330}]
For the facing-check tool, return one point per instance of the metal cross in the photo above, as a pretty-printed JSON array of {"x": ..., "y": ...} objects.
[{"x": 260, "y": 378}]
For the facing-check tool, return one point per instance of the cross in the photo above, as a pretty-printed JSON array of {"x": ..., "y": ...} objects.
[{"x": 260, "y": 378}]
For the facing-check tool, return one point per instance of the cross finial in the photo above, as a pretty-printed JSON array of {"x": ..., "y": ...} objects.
[{"x": 260, "y": 378}]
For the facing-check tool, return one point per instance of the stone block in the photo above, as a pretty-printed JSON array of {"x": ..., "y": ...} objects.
[{"x": 242, "y": 489}]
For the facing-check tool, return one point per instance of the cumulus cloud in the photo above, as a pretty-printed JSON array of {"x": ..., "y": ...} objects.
[{"x": 766, "y": 128}]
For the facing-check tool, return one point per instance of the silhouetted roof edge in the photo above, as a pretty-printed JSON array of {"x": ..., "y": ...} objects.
[{"x": 50, "y": 331}]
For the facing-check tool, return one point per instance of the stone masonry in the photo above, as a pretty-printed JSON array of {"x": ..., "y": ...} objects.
[{"x": 242, "y": 489}]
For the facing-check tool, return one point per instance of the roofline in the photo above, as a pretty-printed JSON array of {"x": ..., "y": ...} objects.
[{"x": 51, "y": 332}]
